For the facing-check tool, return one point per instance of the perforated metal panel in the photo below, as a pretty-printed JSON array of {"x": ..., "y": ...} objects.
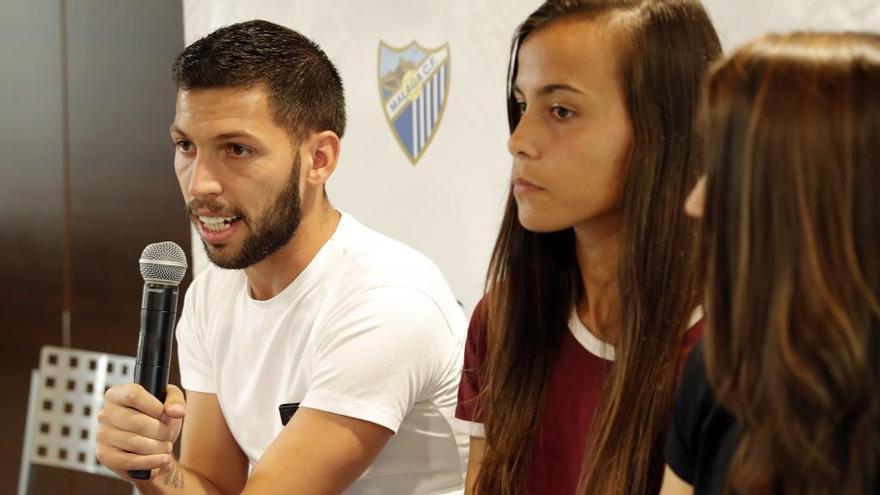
[{"x": 68, "y": 397}]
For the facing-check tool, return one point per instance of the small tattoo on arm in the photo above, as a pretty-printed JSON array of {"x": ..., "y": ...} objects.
[{"x": 173, "y": 476}]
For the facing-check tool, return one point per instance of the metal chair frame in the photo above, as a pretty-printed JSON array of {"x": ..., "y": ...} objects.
[{"x": 66, "y": 393}]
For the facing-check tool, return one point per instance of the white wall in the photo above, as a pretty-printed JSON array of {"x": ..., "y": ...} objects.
[{"x": 449, "y": 204}]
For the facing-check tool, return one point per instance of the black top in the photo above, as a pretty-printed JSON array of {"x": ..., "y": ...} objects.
[{"x": 702, "y": 436}]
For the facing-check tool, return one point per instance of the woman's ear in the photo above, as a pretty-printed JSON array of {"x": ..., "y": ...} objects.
[{"x": 695, "y": 203}]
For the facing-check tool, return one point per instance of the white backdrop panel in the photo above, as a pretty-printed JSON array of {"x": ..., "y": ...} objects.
[{"x": 449, "y": 204}]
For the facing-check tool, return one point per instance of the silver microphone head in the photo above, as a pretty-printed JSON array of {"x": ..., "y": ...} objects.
[{"x": 163, "y": 263}]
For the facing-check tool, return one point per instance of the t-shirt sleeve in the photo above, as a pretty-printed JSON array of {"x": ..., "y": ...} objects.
[
  {"x": 379, "y": 356},
  {"x": 691, "y": 338},
  {"x": 683, "y": 437},
  {"x": 467, "y": 415},
  {"x": 192, "y": 354}
]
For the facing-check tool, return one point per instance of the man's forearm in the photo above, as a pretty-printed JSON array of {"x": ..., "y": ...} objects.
[{"x": 175, "y": 479}]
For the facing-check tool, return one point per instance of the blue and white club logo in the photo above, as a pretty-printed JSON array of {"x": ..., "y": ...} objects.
[{"x": 413, "y": 87}]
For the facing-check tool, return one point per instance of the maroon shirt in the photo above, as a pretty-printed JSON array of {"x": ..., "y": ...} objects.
[{"x": 573, "y": 392}]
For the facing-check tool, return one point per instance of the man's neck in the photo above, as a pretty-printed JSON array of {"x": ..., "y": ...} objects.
[{"x": 272, "y": 275}]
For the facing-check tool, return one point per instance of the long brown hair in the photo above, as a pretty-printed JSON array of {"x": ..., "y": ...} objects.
[
  {"x": 792, "y": 225},
  {"x": 533, "y": 284}
]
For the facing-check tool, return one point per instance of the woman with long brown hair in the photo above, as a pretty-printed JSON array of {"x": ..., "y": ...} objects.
[
  {"x": 572, "y": 356},
  {"x": 783, "y": 399}
]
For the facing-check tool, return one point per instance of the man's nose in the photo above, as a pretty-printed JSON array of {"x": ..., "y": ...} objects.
[{"x": 204, "y": 181}]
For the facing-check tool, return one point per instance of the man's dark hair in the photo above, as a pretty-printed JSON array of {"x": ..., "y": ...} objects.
[{"x": 305, "y": 90}]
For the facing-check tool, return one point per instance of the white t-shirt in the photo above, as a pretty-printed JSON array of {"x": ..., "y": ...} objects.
[{"x": 370, "y": 330}]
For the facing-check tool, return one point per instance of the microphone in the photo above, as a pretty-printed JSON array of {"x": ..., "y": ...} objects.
[{"x": 163, "y": 266}]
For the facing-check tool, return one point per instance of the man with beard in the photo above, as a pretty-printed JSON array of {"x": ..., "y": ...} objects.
[{"x": 306, "y": 311}]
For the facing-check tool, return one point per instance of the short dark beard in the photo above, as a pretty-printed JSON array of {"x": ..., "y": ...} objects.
[{"x": 275, "y": 230}]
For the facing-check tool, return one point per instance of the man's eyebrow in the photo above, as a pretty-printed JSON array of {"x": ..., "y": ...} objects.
[
  {"x": 220, "y": 137},
  {"x": 233, "y": 135}
]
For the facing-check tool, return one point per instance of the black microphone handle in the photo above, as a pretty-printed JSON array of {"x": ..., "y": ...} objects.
[{"x": 158, "y": 315}]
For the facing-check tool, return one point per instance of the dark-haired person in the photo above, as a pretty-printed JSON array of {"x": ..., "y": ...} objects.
[
  {"x": 592, "y": 297},
  {"x": 305, "y": 307},
  {"x": 782, "y": 397}
]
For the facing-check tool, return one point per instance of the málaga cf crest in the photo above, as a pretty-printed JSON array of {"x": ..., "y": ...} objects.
[{"x": 413, "y": 87}]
